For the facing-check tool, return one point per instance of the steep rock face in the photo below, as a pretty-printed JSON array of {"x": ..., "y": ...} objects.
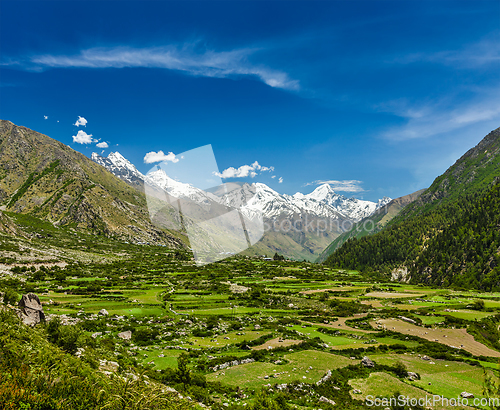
[
  {"x": 30, "y": 310},
  {"x": 47, "y": 179}
]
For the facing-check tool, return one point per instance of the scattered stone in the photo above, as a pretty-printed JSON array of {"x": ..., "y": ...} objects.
[
  {"x": 103, "y": 312},
  {"x": 356, "y": 391},
  {"x": 324, "y": 399},
  {"x": 466, "y": 395},
  {"x": 325, "y": 378}
]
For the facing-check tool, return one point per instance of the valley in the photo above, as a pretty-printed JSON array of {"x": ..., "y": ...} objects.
[
  {"x": 246, "y": 329},
  {"x": 114, "y": 292}
]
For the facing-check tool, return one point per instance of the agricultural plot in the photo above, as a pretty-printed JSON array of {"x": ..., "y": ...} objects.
[
  {"x": 307, "y": 366},
  {"x": 244, "y": 324},
  {"x": 455, "y": 338}
]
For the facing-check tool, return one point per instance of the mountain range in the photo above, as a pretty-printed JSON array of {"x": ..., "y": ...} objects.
[{"x": 306, "y": 213}]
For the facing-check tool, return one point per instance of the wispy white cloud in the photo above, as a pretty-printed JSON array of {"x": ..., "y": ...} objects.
[
  {"x": 45, "y": 117},
  {"x": 102, "y": 145},
  {"x": 160, "y": 156},
  {"x": 83, "y": 138},
  {"x": 480, "y": 54},
  {"x": 427, "y": 119},
  {"x": 244, "y": 171},
  {"x": 351, "y": 185},
  {"x": 81, "y": 121},
  {"x": 280, "y": 180},
  {"x": 186, "y": 58}
]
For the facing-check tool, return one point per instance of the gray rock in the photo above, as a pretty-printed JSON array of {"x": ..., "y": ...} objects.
[
  {"x": 103, "y": 312},
  {"x": 127, "y": 335},
  {"x": 412, "y": 376},
  {"x": 30, "y": 310},
  {"x": 466, "y": 395},
  {"x": 367, "y": 362}
]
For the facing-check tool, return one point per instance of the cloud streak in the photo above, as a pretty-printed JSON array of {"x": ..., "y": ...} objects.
[
  {"x": 480, "y": 54},
  {"x": 205, "y": 63},
  {"x": 351, "y": 185},
  {"x": 426, "y": 120}
]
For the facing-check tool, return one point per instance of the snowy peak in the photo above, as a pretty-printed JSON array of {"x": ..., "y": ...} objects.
[
  {"x": 252, "y": 199},
  {"x": 120, "y": 167}
]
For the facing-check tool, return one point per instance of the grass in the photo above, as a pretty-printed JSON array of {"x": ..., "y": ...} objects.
[
  {"x": 384, "y": 385},
  {"x": 298, "y": 365},
  {"x": 446, "y": 378}
]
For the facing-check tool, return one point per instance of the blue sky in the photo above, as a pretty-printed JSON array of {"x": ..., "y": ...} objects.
[{"x": 378, "y": 97}]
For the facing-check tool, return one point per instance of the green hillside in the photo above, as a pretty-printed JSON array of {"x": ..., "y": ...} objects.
[
  {"x": 42, "y": 177},
  {"x": 449, "y": 235},
  {"x": 371, "y": 224}
]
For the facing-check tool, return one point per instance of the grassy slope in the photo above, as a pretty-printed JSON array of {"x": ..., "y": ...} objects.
[{"x": 45, "y": 178}]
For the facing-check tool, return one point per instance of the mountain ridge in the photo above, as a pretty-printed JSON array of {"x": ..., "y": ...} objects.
[
  {"x": 45, "y": 178},
  {"x": 449, "y": 236}
]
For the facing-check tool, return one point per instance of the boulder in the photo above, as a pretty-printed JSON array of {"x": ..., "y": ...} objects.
[
  {"x": 412, "y": 376},
  {"x": 367, "y": 362},
  {"x": 465, "y": 395},
  {"x": 30, "y": 310},
  {"x": 127, "y": 335},
  {"x": 103, "y": 312}
]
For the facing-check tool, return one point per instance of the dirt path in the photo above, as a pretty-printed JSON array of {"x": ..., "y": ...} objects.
[
  {"x": 452, "y": 337},
  {"x": 271, "y": 344},
  {"x": 340, "y": 324}
]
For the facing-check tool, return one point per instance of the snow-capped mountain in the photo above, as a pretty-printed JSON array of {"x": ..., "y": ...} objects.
[
  {"x": 352, "y": 208},
  {"x": 177, "y": 189},
  {"x": 323, "y": 202},
  {"x": 120, "y": 166}
]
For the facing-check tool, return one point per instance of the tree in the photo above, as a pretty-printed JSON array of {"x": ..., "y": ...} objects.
[
  {"x": 400, "y": 369},
  {"x": 183, "y": 372},
  {"x": 10, "y": 297}
]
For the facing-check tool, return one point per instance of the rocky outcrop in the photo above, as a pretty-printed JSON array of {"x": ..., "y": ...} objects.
[
  {"x": 127, "y": 335},
  {"x": 367, "y": 362},
  {"x": 30, "y": 310}
]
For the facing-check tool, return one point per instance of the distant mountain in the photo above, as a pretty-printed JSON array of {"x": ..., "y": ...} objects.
[
  {"x": 42, "y": 177},
  {"x": 294, "y": 222},
  {"x": 322, "y": 202},
  {"x": 371, "y": 224},
  {"x": 120, "y": 167},
  {"x": 449, "y": 235}
]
